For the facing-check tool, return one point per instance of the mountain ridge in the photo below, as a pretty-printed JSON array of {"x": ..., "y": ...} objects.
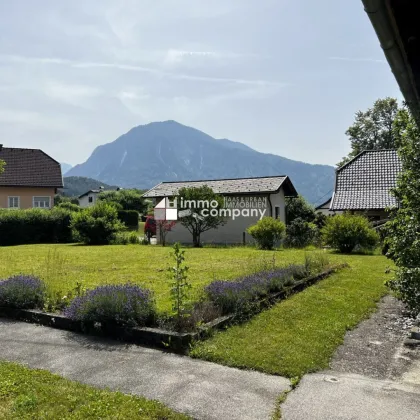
[{"x": 169, "y": 151}]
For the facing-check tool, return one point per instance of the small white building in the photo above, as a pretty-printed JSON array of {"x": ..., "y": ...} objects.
[
  {"x": 324, "y": 208},
  {"x": 89, "y": 198},
  {"x": 262, "y": 197}
]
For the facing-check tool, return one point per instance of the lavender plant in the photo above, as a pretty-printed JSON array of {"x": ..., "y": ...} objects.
[
  {"x": 22, "y": 291},
  {"x": 125, "y": 304},
  {"x": 234, "y": 296}
]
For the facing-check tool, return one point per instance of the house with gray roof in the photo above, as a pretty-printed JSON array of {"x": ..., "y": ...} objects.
[
  {"x": 364, "y": 184},
  {"x": 254, "y": 197}
]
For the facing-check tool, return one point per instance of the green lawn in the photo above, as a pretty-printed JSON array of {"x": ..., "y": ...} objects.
[
  {"x": 61, "y": 266},
  {"x": 296, "y": 336},
  {"x": 36, "y": 394},
  {"x": 300, "y": 334}
]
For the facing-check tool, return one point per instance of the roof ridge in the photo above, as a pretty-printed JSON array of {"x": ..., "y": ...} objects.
[{"x": 224, "y": 179}]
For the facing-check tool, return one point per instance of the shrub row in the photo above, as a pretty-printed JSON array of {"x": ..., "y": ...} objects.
[
  {"x": 240, "y": 295},
  {"x": 32, "y": 226},
  {"x": 130, "y": 218},
  {"x": 125, "y": 304}
]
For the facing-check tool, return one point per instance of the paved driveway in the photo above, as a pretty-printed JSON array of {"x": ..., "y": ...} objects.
[{"x": 202, "y": 389}]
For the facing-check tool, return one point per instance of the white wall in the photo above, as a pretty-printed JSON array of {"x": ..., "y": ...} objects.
[
  {"x": 232, "y": 231},
  {"x": 84, "y": 201}
]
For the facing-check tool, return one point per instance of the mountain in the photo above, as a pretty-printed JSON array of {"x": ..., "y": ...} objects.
[
  {"x": 234, "y": 145},
  {"x": 74, "y": 186},
  {"x": 169, "y": 151},
  {"x": 65, "y": 167}
]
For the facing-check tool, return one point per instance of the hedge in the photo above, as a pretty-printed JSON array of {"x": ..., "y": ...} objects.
[
  {"x": 19, "y": 227},
  {"x": 130, "y": 218}
]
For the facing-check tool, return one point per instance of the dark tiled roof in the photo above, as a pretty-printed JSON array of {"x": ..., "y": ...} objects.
[
  {"x": 324, "y": 205},
  {"x": 29, "y": 168},
  {"x": 227, "y": 186},
  {"x": 366, "y": 181}
]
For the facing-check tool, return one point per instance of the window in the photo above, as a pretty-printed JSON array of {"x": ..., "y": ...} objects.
[
  {"x": 90, "y": 199},
  {"x": 42, "y": 202},
  {"x": 14, "y": 202},
  {"x": 277, "y": 212}
]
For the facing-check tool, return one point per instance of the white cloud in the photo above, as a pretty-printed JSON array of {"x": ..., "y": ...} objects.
[
  {"x": 174, "y": 56},
  {"x": 73, "y": 94},
  {"x": 137, "y": 68}
]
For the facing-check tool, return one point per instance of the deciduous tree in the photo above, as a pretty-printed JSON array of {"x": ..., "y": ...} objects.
[
  {"x": 373, "y": 129},
  {"x": 403, "y": 231},
  {"x": 194, "y": 221}
]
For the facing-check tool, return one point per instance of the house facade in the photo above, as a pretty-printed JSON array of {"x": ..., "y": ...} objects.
[
  {"x": 89, "y": 198},
  {"x": 363, "y": 185},
  {"x": 324, "y": 208},
  {"x": 30, "y": 179},
  {"x": 249, "y": 199}
]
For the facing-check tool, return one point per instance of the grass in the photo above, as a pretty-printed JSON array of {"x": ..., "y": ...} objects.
[
  {"x": 37, "y": 394},
  {"x": 299, "y": 335},
  {"x": 61, "y": 266},
  {"x": 296, "y": 336}
]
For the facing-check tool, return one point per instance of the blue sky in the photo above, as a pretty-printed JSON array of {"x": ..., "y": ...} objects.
[{"x": 282, "y": 76}]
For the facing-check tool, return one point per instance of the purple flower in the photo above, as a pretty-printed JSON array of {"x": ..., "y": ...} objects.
[
  {"x": 22, "y": 291},
  {"x": 123, "y": 304},
  {"x": 233, "y": 296}
]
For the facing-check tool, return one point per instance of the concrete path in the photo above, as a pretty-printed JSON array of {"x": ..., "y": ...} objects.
[
  {"x": 201, "y": 389},
  {"x": 372, "y": 377},
  {"x": 337, "y": 396}
]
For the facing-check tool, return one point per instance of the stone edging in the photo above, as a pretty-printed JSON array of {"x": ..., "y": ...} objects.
[{"x": 155, "y": 337}]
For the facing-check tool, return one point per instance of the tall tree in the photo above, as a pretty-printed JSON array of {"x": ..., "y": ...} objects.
[
  {"x": 191, "y": 203},
  {"x": 373, "y": 129},
  {"x": 403, "y": 231},
  {"x": 126, "y": 199},
  {"x": 298, "y": 207}
]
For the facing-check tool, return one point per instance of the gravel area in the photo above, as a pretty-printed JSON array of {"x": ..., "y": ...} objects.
[{"x": 375, "y": 348}]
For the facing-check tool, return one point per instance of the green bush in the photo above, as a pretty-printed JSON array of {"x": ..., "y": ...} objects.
[
  {"x": 267, "y": 232},
  {"x": 97, "y": 225},
  {"x": 34, "y": 226},
  {"x": 66, "y": 205},
  {"x": 345, "y": 232},
  {"x": 300, "y": 233},
  {"x": 126, "y": 238},
  {"x": 130, "y": 218}
]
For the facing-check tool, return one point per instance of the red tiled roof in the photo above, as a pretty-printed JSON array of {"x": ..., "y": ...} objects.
[{"x": 29, "y": 168}]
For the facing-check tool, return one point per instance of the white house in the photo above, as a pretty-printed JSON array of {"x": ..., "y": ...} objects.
[
  {"x": 89, "y": 198},
  {"x": 324, "y": 208},
  {"x": 253, "y": 197}
]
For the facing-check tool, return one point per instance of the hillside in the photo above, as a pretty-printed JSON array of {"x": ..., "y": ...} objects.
[
  {"x": 75, "y": 186},
  {"x": 169, "y": 151}
]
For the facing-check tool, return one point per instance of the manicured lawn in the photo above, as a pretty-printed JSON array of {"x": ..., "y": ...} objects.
[
  {"x": 300, "y": 334},
  {"x": 36, "y": 394},
  {"x": 61, "y": 266}
]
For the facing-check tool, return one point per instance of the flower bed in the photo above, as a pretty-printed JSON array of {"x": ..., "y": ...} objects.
[
  {"x": 26, "y": 292},
  {"x": 125, "y": 304},
  {"x": 127, "y": 312}
]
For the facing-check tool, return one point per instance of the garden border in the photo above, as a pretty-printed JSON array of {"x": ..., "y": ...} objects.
[{"x": 155, "y": 337}]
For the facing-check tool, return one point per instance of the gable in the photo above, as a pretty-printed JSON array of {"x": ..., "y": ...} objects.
[
  {"x": 29, "y": 168},
  {"x": 365, "y": 183}
]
